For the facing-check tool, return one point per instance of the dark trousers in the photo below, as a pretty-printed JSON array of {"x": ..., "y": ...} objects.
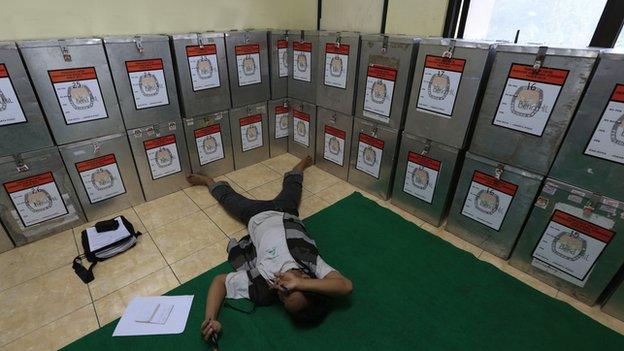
[{"x": 243, "y": 208}]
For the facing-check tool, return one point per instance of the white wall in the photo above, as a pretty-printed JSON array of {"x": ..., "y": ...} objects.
[
  {"x": 420, "y": 17},
  {"x": 28, "y": 19},
  {"x": 352, "y": 15}
]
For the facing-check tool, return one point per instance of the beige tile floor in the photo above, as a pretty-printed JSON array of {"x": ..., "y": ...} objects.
[{"x": 185, "y": 234}]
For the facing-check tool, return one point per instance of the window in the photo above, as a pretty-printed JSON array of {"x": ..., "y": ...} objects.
[
  {"x": 620, "y": 41},
  {"x": 568, "y": 23}
]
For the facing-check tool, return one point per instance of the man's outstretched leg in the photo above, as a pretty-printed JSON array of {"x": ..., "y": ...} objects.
[
  {"x": 289, "y": 198},
  {"x": 234, "y": 203}
]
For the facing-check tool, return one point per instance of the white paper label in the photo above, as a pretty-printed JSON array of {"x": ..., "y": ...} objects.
[
  {"x": 36, "y": 199},
  {"x": 251, "y": 132},
  {"x": 281, "y": 122},
  {"x": 336, "y": 64},
  {"x": 248, "y": 64},
  {"x": 162, "y": 155},
  {"x": 302, "y": 61},
  {"x": 78, "y": 93},
  {"x": 209, "y": 144},
  {"x": 607, "y": 142},
  {"x": 421, "y": 176},
  {"x": 379, "y": 90},
  {"x": 301, "y": 127},
  {"x": 488, "y": 200},
  {"x": 100, "y": 177},
  {"x": 334, "y": 145},
  {"x": 282, "y": 58},
  {"x": 147, "y": 80},
  {"x": 370, "y": 151},
  {"x": 10, "y": 108},
  {"x": 204, "y": 66},
  {"x": 529, "y": 98},
  {"x": 439, "y": 85},
  {"x": 571, "y": 245}
]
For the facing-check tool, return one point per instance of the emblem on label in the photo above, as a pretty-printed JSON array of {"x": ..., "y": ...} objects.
[
  {"x": 487, "y": 201},
  {"x": 379, "y": 91},
  {"x": 285, "y": 58},
  {"x": 439, "y": 86},
  {"x": 420, "y": 178},
  {"x": 204, "y": 68},
  {"x": 334, "y": 145},
  {"x": 4, "y": 101},
  {"x": 527, "y": 100},
  {"x": 336, "y": 66},
  {"x": 569, "y": 245},
  {"x": 80, "y": 96},
  {"x": 210, "y": 144},
  {"x": 249, "y": 65},
  {"x": 102, "y": 179},
  {"x": 164, "y": 158},
  {"x": 302, "y": 62},
  {"x": 301, "y": 128},
  {"x": 283, "y": 123},
  {"x": 370, "y": 157},
  {"x": 617, "y": 132},
  {"x": 148, "y": 83},
  {"x": 252, "y": 133},
  {"x": 38, "y": 200}
]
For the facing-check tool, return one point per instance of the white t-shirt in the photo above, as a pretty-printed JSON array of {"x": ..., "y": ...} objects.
[{"x": 266, "y": 230}]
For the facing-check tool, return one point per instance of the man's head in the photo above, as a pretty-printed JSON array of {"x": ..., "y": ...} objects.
[{"x": 305, "y": 308}]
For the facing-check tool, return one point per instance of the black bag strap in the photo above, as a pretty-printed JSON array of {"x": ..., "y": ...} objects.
[{"x": 85, "y": 274}]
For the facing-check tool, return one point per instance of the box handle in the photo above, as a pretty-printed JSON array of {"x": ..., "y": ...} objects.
[
  {"x": 20, "y": 165},
  {"x": 539, "y": 59},
  {"x": 450, "y": 50},
  {"x": 427, "y": 148},
  {"x": 65, "y": 51},
  {"x": 138, "y": 43},
  {"x": 200, "y": 40},
  {"x": 498, "y": 172}
]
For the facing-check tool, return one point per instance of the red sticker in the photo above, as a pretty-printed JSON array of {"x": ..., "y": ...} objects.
[
  {"x": 424, "y": 161},
  {"x": 3, "y": 71},
  {"x": 144, "y": 65},
  {"x": 543, "y": 75},
  {"x": 382, "y": 72},
  {"x": 162, "y": 141},
  {"x": 26, "y": 183},
  {"x": 70, "y": 75},
  {"x": 211, "y": 129},
  {"x": 301, "y": 115},
  {"x": 372, "y": 141},
  {"x": 282, "y": 44},
  {"x": 305, "y": 46},
  {"x": 96, "y": 163},
  {"x": 280, "y": 110},
  {"x": 333, "y": 48},
  {"x": 247, "y": 49},
  {"x": 443, "y": 63},
  {"x": 250, "y": 120},
  {"x": 500, "y": 185},
  {"x": 340, "y": 134},
  {"x": 583, "y": 226},
  {"x": 196, "y": 50},
  {"x": 618, "y": 93}
]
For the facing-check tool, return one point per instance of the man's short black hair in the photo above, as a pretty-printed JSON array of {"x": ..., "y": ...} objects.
[{"x": 314, "y": 312}]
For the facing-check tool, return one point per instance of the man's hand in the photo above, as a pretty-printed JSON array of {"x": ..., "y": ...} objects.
[
  {"x": 287, "y": 281},
  {"x": 210, "y": 327}
]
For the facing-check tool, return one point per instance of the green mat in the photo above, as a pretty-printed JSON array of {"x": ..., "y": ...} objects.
[{"x": 412, "y": 291}]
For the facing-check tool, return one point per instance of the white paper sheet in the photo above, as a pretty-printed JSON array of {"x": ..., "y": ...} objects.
[
  {"x": 175, "y": 323},
  {"x": 99, "y": 240}
]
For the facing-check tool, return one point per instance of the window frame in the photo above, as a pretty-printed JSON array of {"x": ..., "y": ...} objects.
[{"x": 605, "y": 35}]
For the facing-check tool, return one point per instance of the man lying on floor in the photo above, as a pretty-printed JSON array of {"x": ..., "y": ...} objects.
[{"x": 277, "y": 261}]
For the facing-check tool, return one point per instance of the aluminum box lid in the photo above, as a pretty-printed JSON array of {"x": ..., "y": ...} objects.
[
  {"x": 57, "y": 42},
  {"x": 556, "y": 51},
  {"x": 456, "y": 42},
  {"x": 334, "y": 33},
  {"x": 392, "y": 38},
  {"x": 133, "y": 38},
  {"x": 197, "y": 35}
]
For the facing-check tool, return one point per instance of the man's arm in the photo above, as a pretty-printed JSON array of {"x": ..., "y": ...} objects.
[
  {"x": 333, "y": 284},
  {"x": 216, "y": 294}
]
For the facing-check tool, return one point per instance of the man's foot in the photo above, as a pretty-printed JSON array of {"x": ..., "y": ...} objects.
[
  {"x": 198, "y": 179},
  {"x": 303, "y": 164}
]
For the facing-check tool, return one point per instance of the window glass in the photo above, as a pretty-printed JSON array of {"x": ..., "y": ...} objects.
[
  {"x": 569, "y": 23},
  {"x": 620, "y": 41}
]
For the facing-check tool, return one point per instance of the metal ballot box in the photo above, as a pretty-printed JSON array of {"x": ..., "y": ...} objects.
[
  {"x": 373, "y": 157},
  {"x": 425, "y": 178},
  {"x": 161, "y": 158},
  {"x": 250, "y": 129},
  {"x": 385, "y": 78},
  {"x": 278, "y": 53},
  {"x": 303, "y": 68},
  {"x": 333, "y": 141},
  {"x": 5, "y": 242},
  {"x": 592, "y": 154},
  {"x": 22, "y": 127},
  {"x": 103, "y": 173},
  {"x": 529, "y": 101},
  {"x": 248, "y": 64},
  {"x": 491, "y": 203},
  {"x": 279, "y": 114},
  {"x": 302, "y": 129},
  {"x": 143, "y": 75},
  {"x": 338, "y": 54},
  {"x": 572, "y": 240},
  {"x": 209, "y": 144},
  {"x": 614, "y": 306},
  {"x": 37, "y": 198},
  {"x": 73, "y": 82},
  {"x": 448, "y": 79},
  {"x": 201, "y": 70}
]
